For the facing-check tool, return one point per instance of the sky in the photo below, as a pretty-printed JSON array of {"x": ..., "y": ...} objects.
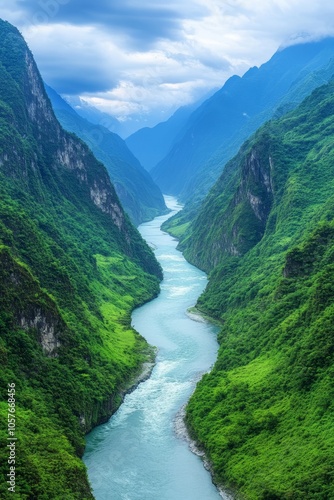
[{"x": 140, "y": 60}]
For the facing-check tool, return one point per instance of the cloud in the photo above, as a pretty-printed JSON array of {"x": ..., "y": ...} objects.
[
  {"x": 141, "y": 23},
  {"x": 75, "y": 60},
  {"x": 143, "y": 58},
  {"x": 154, "y": 81}
]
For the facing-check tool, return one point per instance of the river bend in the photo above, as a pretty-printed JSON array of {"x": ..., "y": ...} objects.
[{"x": 137, "y": 454}]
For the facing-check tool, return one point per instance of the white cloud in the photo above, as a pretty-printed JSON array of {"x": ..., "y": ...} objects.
[{"x": 166, "y": 55}]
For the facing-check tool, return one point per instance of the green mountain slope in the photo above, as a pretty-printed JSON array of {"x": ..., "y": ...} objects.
[
  {"x": 265, "y": 413},
  {"x": 216, "y": 130},
  {"x": 139, "y": 195},
  {"x": 72, "y": 267}
]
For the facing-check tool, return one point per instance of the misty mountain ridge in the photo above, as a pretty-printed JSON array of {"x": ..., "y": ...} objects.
[
  {"x": 151, "y": 144},
  {"x": 93, "y": 114},
  {"x": 125, "y": 126},
  {"x": 215, "y": 131}
]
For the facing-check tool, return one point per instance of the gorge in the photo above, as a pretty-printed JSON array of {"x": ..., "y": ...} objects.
[
  {"x": 138, "y": 454},
  {"x": 84, "y": 295}
]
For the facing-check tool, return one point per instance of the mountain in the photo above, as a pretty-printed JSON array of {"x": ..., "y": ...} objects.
[
  {"x": 264, "y": 414},
  {"x": 151, "y": 144},
  {"x": 92, "y": 114},
  {"x": 72, "y": 268},
  {"x": 140, "y": 196},
  {"x": 124, "y": 126},
  {"x": 216, "y": 130}
]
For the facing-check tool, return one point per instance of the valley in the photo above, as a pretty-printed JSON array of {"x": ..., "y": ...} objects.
[
  {"x": 144, "y": 425},
  {"x": 97, "y": 277}
]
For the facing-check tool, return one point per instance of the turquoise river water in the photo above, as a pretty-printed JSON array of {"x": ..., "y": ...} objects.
[{"x": 140, "y": 453}]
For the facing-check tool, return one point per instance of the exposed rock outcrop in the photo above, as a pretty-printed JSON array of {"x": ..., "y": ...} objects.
[
  {"x": 244, "y": 208},
  {"x": 33, "y": 311},
  {"x": 47, "y": 328}
]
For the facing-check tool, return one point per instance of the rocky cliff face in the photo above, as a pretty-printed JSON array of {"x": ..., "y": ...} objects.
[
  {"x": 256, "y": 185},
  {"x": 46, "y": 327},
  {"x": 37, "y": 103},
  {"x": 253, "y": 197},
  {"x": 140, "y": 197},
  {"x": 63, "y": 150},
  {"x": 237, "y": 209},
  {"x": 38, "y": 314}
]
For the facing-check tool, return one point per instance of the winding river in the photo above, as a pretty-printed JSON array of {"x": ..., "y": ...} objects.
[{"x": 139, "y": 454}]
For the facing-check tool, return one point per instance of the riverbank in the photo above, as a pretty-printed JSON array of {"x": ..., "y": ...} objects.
[
  {"x": 143, "y": 375},
  {"x": 197, "y": 315},
  {"x": 182, "y": 433},
  {"x": 115, "y": 400},
  {"x": 180, "y": 425}
]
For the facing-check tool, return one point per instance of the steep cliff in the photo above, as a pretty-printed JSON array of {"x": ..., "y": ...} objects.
[
  {"x": 139, "y": 195},
  {"x": 264, "y": 414},
  {"x": 72, "y": 267},
  {"x": 238, "y": 207}
]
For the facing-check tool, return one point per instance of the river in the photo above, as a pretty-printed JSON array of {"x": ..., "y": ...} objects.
[{"x": 138, "y": 455}]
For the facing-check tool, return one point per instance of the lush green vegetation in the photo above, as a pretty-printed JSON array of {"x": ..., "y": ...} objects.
[
  {"x": 265, "y": 413},
  {"x": 72, "y": 268}
]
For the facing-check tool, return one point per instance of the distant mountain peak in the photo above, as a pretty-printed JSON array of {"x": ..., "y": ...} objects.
[
  {"x": 93, "y": 114},
  {"x": 301, "y": 38}
]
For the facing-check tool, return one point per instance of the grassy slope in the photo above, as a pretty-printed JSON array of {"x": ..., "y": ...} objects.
[
  {"x": 265, "y": 413},
  {"x": 67, "y": 268}
]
